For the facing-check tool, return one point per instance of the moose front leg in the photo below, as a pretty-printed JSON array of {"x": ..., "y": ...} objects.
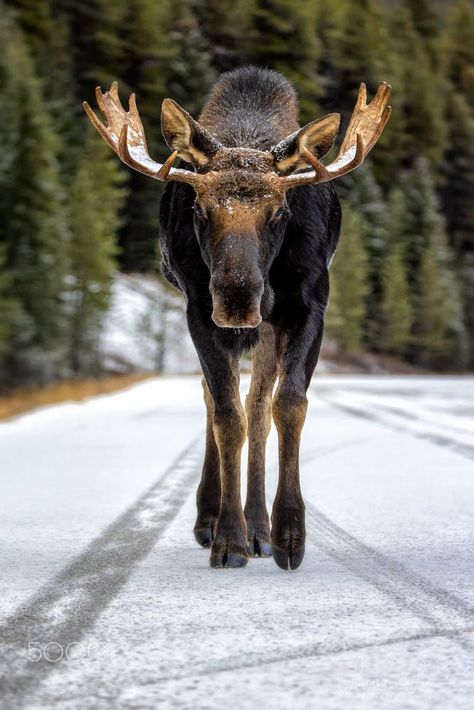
[
  {"x": 229, "y": 548},
  {"x": 208, "y": 497},
  {"x": 259, "y": 413},
  {"x": 299, "y": 354},
  {"x": 226, "y": 432}
]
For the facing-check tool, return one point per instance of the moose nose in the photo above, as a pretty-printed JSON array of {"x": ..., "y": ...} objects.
[
  {"x": 236, "y": 305},
  {"x": 251, "y": 320}
]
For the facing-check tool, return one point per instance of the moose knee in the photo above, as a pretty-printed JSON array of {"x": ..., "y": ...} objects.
[
  {"x": 230, "y": 425},
  {"x": 289, "y": 409}
]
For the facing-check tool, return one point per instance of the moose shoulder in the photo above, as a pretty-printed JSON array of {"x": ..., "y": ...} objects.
[{"x": 248, "y": 228}]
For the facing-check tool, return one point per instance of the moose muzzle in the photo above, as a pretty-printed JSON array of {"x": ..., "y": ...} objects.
[{"x": 237, "y": 283}]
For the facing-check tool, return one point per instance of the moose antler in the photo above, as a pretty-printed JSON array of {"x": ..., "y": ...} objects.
[
  {"x": 124, "y": 133},
  {"x": 365, "y": 127}
]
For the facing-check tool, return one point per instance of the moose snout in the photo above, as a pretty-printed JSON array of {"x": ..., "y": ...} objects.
[{"x": 236, "y": 305}]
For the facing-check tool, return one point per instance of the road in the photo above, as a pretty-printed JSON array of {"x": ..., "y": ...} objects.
[{"x": 107, "y": 602}]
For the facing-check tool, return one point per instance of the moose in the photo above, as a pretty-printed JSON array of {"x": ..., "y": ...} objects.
[{"x": 248, "y": 226}]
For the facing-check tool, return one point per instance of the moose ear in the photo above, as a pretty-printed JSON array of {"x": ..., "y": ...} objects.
[
  {"x": 182, "y": 133},
  {"x": 317, "y": 137}
]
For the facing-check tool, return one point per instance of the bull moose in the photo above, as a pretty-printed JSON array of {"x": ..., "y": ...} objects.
[{"x": 249, "y": 225}]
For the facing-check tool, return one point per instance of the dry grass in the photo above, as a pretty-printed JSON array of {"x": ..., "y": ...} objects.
[{"x": 24, "y": 400}]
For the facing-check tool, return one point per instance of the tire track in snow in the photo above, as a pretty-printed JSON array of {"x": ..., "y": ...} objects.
[
  {"x": 68, "y": 606},
  {"x": 64, "y": 610},
  {"x": 376, "y": 414},
  {"x": 445, "y": 615},
  {"x": 321, "y": 649},
  {"x": 440, "y": 609},
  {"x": 443, "y": 611}
]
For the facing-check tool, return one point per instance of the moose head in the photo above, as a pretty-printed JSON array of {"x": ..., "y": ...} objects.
[{"x": 240, "y": 211}]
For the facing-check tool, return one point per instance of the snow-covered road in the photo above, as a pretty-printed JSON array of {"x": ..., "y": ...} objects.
[{"x": 107, "y": 602}]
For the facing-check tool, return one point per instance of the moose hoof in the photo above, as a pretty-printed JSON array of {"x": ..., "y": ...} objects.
[
  {"x": 232, "y": 560},
  {"x": 205, "y": 532},
  {"x": 288, "y": 535},
  {"x": 288, "y": 560},
  {"x": 227, "y": 554},
  {"x": 258, "y": 540}
]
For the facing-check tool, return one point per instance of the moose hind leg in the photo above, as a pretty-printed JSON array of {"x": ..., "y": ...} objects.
[
  {"x": 209, "y": 490},
  {"x": 259, "y": 415}
]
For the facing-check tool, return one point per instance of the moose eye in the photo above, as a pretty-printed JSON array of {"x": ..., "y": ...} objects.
[
  {"x": 279, "y": 215},
  {"x": 199, "y": 213}
]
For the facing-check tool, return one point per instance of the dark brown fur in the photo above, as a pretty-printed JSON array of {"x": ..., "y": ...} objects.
[{"x": 257, "y": 119}]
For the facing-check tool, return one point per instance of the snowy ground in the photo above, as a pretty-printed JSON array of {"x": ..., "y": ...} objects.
[{"x": 98, "y": 562}]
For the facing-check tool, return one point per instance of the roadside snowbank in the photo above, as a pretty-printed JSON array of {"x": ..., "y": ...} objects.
[{"x": 145, "y": 328}]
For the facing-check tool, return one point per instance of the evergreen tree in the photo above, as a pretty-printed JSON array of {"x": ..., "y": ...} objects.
[
  {"x": 417, "y": 226},
  {"x": 361, "y": 190},
  {"x": 48, "y": 40},
  {"x": 363, "y": 194},
  {"x": 347, "y": 304},
  {"x": 458, "y": 175},
  {"x": 458, "y": 164},
  {"x": 421, "y": 216},
  {"x": 398, "y": 218},
  {"x": 96, "y": 197},
  {"x": 175, "y": 48},
  {"x": 364, "y": 50},
  {"x": 459, "y": 50},
  {"x": 225, "y": 26},
  {"x": 96, "y": 29},
  {"x": 8, "y": 311},
  {"x": 283, "y": 38},
  {"x": 396, "y": 311},
  {"x": 438, "y": 339},
  {"x": 427, "y": 22},
  {"x": 146, "y": 34},
  {"x": 189, "y": 74},
  {"x": 439, "y": 329},
  {"x": 355, "y": 47},
  {"x": 466, "y": 270},
  {"x": 115, "y": 41},
  {"x": 419, "y": 94},
  {"x": 168, "y": 57},
  {"x": 33, "y": 225},
  {"x": 330, "y": 21}
]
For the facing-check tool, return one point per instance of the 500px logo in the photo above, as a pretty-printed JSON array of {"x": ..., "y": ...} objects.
[{"x": 53, "y": 651}]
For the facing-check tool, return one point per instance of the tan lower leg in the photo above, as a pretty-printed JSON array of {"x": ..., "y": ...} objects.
[
  {"x": 289, "y": 413},
  {"x": 209, "y": 490},
  {"x": 259, "y": 414},
  {"x": 229, "y": 547},
  {"x": 230, "y": 429},
  {"x": 288, "y": 514}
]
